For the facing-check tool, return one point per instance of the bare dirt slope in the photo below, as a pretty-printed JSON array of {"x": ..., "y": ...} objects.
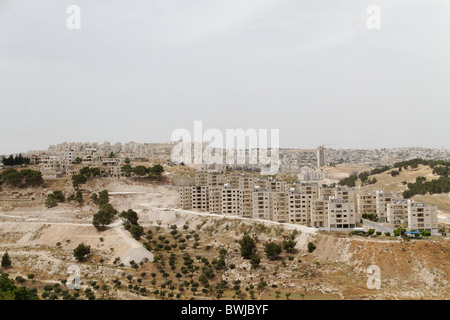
[{"x": 335, "y": 270}]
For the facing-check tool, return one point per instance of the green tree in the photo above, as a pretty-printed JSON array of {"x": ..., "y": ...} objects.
[
  {"x": 130, "y": 216},
  {"x": 79, "y": 196},
  {"x": 85, "y": 171},
  {"x": 140, "y": 170},
  {"x": 8, "y": 290},
  {"x": 136, "y": 231},
  {"x": 78, "y": 160},
  {"x": 32, "y": 177},
  {"x": 81, "y": 252},
  {"x": 104, "y": 217},
  {"x": 311, "y": 247},
  {"x": 50, "y": 201},
  {"x": 94, "y": 198},
  {"x": 126, "y": 169},
  {"x": 6, "y": 261},
  {"x": 272, "y": 250},
  {"x": 248, "y": 246},
  {"x": 12, "y": 178},
  {"x": 59, "y": 195},
  {"x": 289, "y": 245},
  {"x": 77, "y": 180},
  {"x": 255, "y": 260},
  {"x": 363, "y": 176},
  {"x": 156, "y": 170},
  {"x": 103, "y": 198}
]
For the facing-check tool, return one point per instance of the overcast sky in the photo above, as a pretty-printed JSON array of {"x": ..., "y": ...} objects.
[{"x": 139, "y": 69}]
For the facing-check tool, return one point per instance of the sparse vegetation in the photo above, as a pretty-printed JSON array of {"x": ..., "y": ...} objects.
[
  {"x": 248, "y": 246},
  {"x": 80, "y": 253},
  {"x": 311, "y": 247}
]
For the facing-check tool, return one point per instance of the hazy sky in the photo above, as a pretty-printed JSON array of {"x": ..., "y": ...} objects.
[{"x": 139, "y": 69}]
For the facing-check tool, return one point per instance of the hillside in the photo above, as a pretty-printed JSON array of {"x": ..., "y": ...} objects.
[
  {"x": 41, "y": 241},
  {"x": 388, "y": 183}
]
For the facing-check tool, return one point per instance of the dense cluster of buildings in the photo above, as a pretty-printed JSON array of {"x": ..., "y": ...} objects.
[
  {"x": 59, "y": 160},
  {"x": 331, "y": 208},
  {"x": 385, "y": 156}
]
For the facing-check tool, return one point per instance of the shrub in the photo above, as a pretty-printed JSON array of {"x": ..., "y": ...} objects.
[
  {"x": 6, "y": 261},
  {"x": 272, "y": 250},
  {"x": 81, "y": 252},
  {"x": 248, "y": 246},
  {"x": 311, "y": 247},
  {"x": 255, "y": 260}
]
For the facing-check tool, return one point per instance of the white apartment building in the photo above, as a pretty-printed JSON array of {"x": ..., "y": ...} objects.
[
  {"x": 230, "y": 200},
  {"x": 319, "y": 213},
  {"x": 246, "y": 203},
  {"x": 349, "y": 195},
  {"x": 397, "y": 213},
  {"x": 299, "y": 207},
  {"x": 325, "y": 192},
  {"x": 246, "y": 182},
  {"x": 214, "y": 179},
  {"x": 279, "y": 207},
  {"x": 341, "y": 214},
  {"x": 422, "y": 217},
  {"x": 367, "y": 203},
  {"x": 186, "y": 197},
  {"x": 274, "y": 184},
  {"x": 200, "y": 200},
  {"x": 201, "y": 178},
  {"x": 52, "y": 166},
  {"x": 261, "y": 204},
  {"x": 215, "y": 199},
  {"x": 382, "y": 201}
]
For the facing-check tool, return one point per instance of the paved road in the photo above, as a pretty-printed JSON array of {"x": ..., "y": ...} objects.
[{"x": 378, "y": 227}]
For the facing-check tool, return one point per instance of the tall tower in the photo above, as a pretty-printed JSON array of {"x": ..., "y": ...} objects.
[{"x": 321, "y": 161}]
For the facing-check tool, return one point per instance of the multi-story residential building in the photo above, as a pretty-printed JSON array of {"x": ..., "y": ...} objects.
[
  {"x": 341, "y": 214},
  {"x": 52, "y": 166},
  {"x": 201, "y": 178},
  {"x": 279, "y": 207},
  {"x": 322, "y": 207},
  {"x": 246, "y": 182},
  {"x": 232, "y": 180},
  {"x": 311, "y": 189},
  {"x": 319, "y": 212},
  {"x": 299, "y": 206},
  {"x": 422, "y": 217},
  {"x": 215, "y": 199},
  {"x": 276, "y": 185},
  {"x": 246, "y": 203},
  {"x": 230, "y": 200},
  {"x": 349, "y": 195},
  {"x": 200, "y": 200},
  {"x": 367, "y": 203},
  {"x": 382, "y": 201},
  {"x": 261, "y": 203},
  {"x": 186, "y": 197},
  {"x": 321, "y": 156},
  {"x": 397, "y": 213},
  {"x": 325, "y": 192}
]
